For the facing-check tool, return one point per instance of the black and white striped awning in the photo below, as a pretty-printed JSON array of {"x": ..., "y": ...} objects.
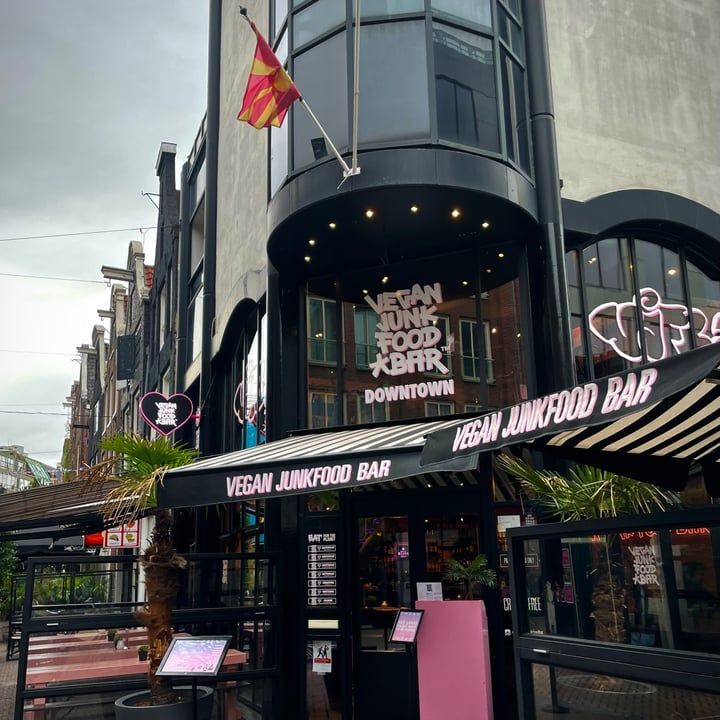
[
  {"x": 305, "y": 463},
  {"x": 652, "y": 423}
]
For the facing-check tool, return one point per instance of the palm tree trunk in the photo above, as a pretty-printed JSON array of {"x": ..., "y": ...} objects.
[{"x": 161, "y": 565}]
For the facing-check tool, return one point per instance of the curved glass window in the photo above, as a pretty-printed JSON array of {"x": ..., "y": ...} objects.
[
  {"x": 393, "y": 64},
  {"x": 466, "y": 97},
  {"x": 630, "y": 304},
  {"x": 315, "y": 71},
  {"x": 477, "y": 12},
  {"x": 413, "y": 340},
  {"x": 317, "y": 19},
  {"x": 387, "y": 8}
]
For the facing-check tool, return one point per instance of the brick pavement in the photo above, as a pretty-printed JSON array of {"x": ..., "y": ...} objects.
[{"x": 8, "y": 680}]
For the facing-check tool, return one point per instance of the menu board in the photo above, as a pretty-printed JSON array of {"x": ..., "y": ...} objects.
[
  {"x": 321, "y": 569},
  {"x": 406, "y": 626},
  {"x": 123, "y": 536},
  {"x": 194, "y": 655}
]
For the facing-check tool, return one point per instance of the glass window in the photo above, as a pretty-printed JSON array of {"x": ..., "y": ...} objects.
[
  {"x": 451, "y": 537},
  {"x": 361, "y": 412},
  {"x": 439, "y": 409},
  {"x": 705, "y": 300},
  {"x": 322, "y": 331},
  {"x": 465, "y": 88},
  {"x": 280, "y": 10},
  {"x": 386, "y": 8},
  {"x": 393, "y": 64},
  {"x": 278, "y": 157},
  {"x": 365, "y": 344},
  {"x": 510, "y": 31},
  {"x": 477, "y": 12},
  {"x": 659, "y": 268},
  {"x": 472, "y": 351},
  {"x": 315, "y": 20},
  {"x": 314, "y": 71},
  {"x": 516, "y": 119},
  {"x": 322, "y": 409}
]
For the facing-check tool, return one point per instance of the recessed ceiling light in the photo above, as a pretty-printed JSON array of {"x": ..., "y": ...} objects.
[
  {"x": 485, "y": 225},
  {"x": 385, "y": 279},
  {"x": 465, "y": 282},
  {"x": 494, "y": 330},
  {"x": 311, "y": 241},
  {"x": 332, "y": 225},
  {"x": 306, "y": 258},
  {"x": 489, "y": 270},
  {"x": 501, "y": 254},
  {"x": 365, "y": 292},
  {"x": 455, "y": 213},
  {"x": 672, "y": 271},
  {"x": 369, "y": 213},
  {"x": 414, "y": 208}
]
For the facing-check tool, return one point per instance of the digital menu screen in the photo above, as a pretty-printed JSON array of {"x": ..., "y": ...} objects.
[
  {"x": 194, "y": 655},
  {"x": 406, "y": 626}
]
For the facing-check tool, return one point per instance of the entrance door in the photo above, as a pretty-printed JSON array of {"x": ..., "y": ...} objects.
[{"x": 401, "y": 541}]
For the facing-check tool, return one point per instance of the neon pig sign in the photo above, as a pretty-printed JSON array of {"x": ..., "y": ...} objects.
[
  {"x": 666, "y": 326},
  {"x": 166, "y": 414},
  {"x": 408, "y": 342}
]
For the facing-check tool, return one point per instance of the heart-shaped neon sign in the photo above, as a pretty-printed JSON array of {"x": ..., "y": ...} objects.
[{"x": 165, "y": 414}]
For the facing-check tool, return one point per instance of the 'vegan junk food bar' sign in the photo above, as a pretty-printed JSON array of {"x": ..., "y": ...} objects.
[
  {"x": 408, "y": 341},
  {"x": 166, "y": 414}
]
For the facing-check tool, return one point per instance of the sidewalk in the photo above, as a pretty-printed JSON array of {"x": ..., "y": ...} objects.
[{"x": 8, "y": 679}]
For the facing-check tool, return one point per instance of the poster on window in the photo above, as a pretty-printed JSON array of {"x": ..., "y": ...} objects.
[
  {"x": 322, "y": 656},
  {"x": 123, "y": 536}
]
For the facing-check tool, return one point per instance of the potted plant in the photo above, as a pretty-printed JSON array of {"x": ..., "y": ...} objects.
[
  {"x": 142, "y": 652},
  {"x": 110, "y": 634},
  {"x": 137, "y": 468},
  {"x": 474, "y": 575},
  {"x": 586, "y": 493}
]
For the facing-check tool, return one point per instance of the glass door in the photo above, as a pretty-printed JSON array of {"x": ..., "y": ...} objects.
[{"x": 401, "y": 540}]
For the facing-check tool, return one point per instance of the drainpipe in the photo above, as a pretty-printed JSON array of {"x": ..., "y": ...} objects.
[
  {"x": 210, "y": 245},
  {"x": 552, "y": 323}
]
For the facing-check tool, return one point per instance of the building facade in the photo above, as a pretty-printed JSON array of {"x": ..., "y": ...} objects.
[{"x": 531, "y": 205}]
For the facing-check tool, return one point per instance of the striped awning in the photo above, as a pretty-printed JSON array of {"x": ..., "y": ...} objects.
[
  {"x": 652, "y": 423},
  {"x": 306, "y": 463}
]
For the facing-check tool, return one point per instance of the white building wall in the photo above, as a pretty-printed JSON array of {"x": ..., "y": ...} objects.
[
  {"x": 242, "y": 175},
  {"x": 637, "y": 96}
]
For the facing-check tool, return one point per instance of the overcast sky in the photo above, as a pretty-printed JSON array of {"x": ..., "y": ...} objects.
[{"x": 88, "y": 91}]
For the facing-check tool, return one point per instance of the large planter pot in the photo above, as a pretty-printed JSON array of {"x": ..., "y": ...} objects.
[
  {"x": 613, "y": 697},
  {"x": 126, "y": 707}
]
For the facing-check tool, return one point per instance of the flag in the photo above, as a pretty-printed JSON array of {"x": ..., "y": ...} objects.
[{"x": 269, "y": 91}]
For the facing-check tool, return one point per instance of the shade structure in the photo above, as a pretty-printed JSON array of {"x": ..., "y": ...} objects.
[
  {"x": 305, "y": 463},
  {"x": 652, "y": 423}
]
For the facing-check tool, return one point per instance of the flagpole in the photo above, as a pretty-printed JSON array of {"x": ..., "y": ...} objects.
[
  {"x": 347, "y": 171},
  {"x": 356, "y": 90}
]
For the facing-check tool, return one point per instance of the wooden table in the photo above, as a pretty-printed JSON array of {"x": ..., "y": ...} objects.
[{"x": 125, "y": 665}]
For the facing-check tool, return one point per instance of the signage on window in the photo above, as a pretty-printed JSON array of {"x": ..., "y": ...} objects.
[
  {"x": 666, "y": 326},
  {"x": 409, "y": 341}
]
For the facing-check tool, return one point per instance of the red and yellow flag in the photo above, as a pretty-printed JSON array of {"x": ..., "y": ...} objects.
[{"x": 270, "y": 91}]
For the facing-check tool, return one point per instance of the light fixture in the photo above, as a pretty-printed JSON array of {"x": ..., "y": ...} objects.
[
  {"x": 384, "y": 279},
  {"x": 455, "y": 213},
  {"x": 592, "y": 261},
  {"x": 493, "y": 331},
  {"x": 465, "y": 282},
  {"x": 489, "y": 270},
  {"x": 672, "y": 271},
  {"x": 311, "y": 242},
  {"x": 485, "y": 225},
  {"x": 414, "y": 208},
  {"x": 332, "y": 225},
  {"x": 306, "y": 258},
  {"x": 365, "y": 292},
  {"x": 501, "y": 255},
  {"x": 369, "y": 213}
]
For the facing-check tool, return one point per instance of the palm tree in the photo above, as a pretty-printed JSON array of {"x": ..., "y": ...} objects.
[
  {"x": 590, "y": 493},
  {"x": 137, "y": 469},
  {"x": 476, "y": 573}
]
